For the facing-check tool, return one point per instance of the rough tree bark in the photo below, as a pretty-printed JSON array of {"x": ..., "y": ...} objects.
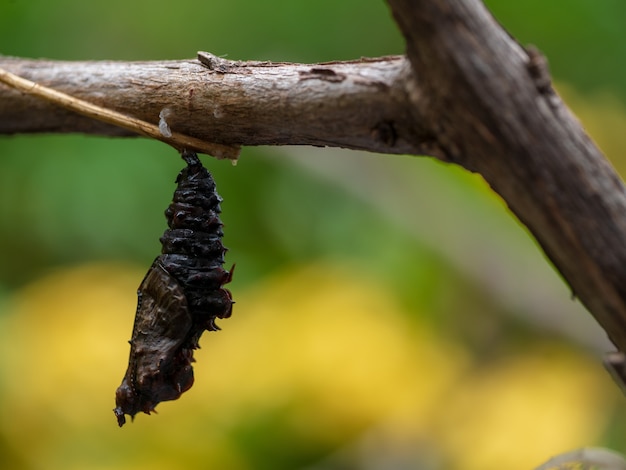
[{"x": 466, "y": 93}]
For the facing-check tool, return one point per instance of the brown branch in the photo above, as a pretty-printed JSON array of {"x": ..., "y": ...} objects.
[
  {"x": 494, "y": 112},
  {"x": 358, "y": 105},
  {"x": 469, "y": 95}
]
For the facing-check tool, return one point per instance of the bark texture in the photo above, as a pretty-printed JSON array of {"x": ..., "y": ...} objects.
[
  {"x": 493, "y": 110},
  {"x": 359, "y": 105},
  {"x": 466, "y": 93}
]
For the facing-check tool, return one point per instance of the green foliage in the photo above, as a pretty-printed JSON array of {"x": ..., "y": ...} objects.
[
  {"x": 583, "y": 39},
  {"x": 241, "y": 29}
]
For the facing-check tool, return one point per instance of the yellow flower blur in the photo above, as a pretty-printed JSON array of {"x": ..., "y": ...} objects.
[{"x": 317, "y": 364}]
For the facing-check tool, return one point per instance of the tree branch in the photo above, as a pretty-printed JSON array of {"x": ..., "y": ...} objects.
[
  {"x": 494, "y": 112},
  {"x": 470, "y": 95},
  {"x": 358, "y": 105}
]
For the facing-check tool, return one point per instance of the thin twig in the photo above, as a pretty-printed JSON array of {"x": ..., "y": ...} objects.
[{"x": 176, "y": 139}]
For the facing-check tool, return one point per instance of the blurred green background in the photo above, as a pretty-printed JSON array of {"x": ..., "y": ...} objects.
[{"x": 390, "y": 312}]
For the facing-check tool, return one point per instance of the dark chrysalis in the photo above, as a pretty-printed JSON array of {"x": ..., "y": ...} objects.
[{"x": 180, "y": 297}]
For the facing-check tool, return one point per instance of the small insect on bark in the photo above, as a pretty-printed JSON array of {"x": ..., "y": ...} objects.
[{"x": 181, "y": 296}]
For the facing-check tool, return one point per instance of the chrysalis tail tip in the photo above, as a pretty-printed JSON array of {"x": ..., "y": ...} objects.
[{"x": 119, "y": 414}]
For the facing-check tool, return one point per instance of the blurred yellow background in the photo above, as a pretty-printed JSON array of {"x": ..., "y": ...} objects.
[
  {"x": 318, "y": 357},
  {"x": 390, "y": 312}
]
